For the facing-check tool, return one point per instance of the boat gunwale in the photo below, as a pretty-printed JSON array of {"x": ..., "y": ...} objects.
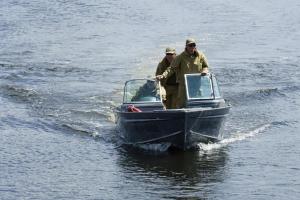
[{"x": 180, "y": 110}]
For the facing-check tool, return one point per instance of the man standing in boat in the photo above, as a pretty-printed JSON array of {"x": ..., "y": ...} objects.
[
  {"x": 189, "y": 61},
  {"x": 169, "y": 84}
]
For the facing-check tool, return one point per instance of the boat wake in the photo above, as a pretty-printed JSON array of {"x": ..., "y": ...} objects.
[
  {"x": 205, "y": 148},
  {"x": 239, "y": 136}
]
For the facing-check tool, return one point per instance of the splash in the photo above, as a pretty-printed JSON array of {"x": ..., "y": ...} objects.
[{"x": 235, "y": 137}]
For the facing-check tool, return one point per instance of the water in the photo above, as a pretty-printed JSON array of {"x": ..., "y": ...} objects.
[{"x": 62, "y": 69}]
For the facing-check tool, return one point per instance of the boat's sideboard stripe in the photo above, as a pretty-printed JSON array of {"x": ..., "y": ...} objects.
[
  {"x": 159, "y": 138},
  {"x": 215, "y": 116},
  {"x": 145, "y": 120}
]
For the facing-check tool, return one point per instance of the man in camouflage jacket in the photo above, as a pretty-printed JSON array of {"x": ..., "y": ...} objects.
[{"x": 189, "y": 61}]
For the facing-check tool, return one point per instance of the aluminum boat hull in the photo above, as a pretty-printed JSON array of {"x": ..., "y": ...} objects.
[{"x": 181, "y": 128}]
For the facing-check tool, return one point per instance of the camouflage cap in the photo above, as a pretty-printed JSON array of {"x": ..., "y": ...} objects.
[
  {"x": 170, "y": 50},
  {"x": 190, "y": 41}
]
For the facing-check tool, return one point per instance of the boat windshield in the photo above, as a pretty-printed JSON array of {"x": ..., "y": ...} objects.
[
  {"x": 141, "y": 90},
  {"x": 199, "y": 86}
]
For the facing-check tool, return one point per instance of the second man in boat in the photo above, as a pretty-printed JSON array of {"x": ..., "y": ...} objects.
[{"x": 169, "y": 85}]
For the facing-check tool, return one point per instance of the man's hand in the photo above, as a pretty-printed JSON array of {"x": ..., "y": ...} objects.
[
  {"x": 204, "y": 71},
  {"x": 159, "y": 77}
]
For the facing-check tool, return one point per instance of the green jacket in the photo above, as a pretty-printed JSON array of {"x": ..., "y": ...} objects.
[
  {"x": 186, "y": 64},
  {"x": 162, "y": 66}
]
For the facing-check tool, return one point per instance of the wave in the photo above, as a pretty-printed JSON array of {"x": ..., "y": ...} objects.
[
  {"x": 98, "y": 131},
  {"x": 239, "y": 136},
  {"x": 292, "y": 88},
  {"x": 45, "y": 69},
  {"x": 90, "y": 113},
  {"x": 266, "y": 92},
  {"x": 19, "y": 92},
  {"x": 256, "y": 95},
  {"x": 86, "y": 128}
]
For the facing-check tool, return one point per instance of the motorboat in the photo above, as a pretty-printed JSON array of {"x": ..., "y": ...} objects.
[{"x": 142, "y": 118}]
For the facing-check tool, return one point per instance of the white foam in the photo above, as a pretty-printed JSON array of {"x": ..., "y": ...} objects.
[
  {"x": 235, "y": 137},
  {"x": 95, "y": 134}
]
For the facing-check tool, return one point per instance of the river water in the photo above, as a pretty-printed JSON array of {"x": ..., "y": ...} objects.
[{"x": 62, "y": 69}]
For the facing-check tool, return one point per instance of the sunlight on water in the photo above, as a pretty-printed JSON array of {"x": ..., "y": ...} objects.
[
  {"x": 235, "y": 137},
  {"x": 63, "y": 65}
]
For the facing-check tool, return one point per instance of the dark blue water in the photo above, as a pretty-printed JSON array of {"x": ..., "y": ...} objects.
[{"x": 62, "y": 69}]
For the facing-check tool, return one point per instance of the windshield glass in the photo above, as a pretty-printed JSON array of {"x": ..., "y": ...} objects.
[
  {"x": 198, "y": 87},
  {"x": 141, "y": 90}
]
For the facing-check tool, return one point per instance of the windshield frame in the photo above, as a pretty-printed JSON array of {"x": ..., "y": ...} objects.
[{"x": 126, "y": 99}]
